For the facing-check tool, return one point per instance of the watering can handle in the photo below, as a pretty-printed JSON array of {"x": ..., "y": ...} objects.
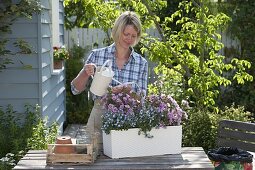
[
  {"x": 107, "y": 61},
  {"x": 93, "y": 65}
]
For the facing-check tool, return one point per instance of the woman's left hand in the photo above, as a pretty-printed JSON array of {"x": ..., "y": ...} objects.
[{"x": 119, "y": 88}]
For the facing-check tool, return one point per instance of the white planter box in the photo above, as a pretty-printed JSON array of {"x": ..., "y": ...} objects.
[{"x": 120, "y": 144}]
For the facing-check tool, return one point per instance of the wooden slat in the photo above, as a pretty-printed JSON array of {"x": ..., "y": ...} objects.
[
  {"x": 236, "y": 144},
  {"x": 191, "y": 158},
  {"x": 244, "y": 126},
  {"x": 84, "y": 158},
  {"x": 237, "y": 135}
]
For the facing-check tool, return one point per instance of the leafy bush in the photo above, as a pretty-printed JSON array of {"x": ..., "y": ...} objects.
[
  {"x": 10, "y": 160},
  {"x": 202, "y": 126},
  {"x": 78, "y": 107},
  {"x": 18, "y": 136},
  {"x": 13, "y": 134},
  {"x": 43, "y": 135}
]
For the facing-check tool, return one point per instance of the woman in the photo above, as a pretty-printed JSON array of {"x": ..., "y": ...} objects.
[{"x": 128, "y": 66}]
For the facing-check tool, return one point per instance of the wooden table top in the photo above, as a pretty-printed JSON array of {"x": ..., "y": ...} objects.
[{"x": 190, "y": 158}]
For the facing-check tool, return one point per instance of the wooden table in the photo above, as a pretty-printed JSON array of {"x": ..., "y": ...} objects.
[{"x": 190, "y": 158}]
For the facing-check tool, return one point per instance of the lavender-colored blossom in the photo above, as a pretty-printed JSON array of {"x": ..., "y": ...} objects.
[
  {"x": 114, "y": 97},
  {"x": 119, "y": 101},
  {"x": 172, "y": 101},
  {"x": 162, "y": 107},
  {"x": 170, "y": 116},
  {"x": 125, "y": 99},
  {"x": 129, "y": 111},
  {"x": 122, "y": 106},
  {"x": 112, "y": 108}
]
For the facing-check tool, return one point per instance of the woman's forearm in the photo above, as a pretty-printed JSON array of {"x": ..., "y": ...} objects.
[{"x": 80, "y": 81}]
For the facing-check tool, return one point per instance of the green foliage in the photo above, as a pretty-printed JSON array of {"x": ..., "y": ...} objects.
[
  {"x": 77, "y": 52},
  {"x": 102, "y": 14},
  {"x": 17, "y": 135},
  {"x": 241, "y": 28},
  {"x": 191, "y": 56},
  {"x": 13, "y": 135},
  {"x": 95, "y": 13},
  {"x": 42, "y": 135},
  {"x": 10, "y": 160},
  {"x": 11, "y": 11},
  {"x": 78, "y": 107},
  {"x": 202, "y": 126}
]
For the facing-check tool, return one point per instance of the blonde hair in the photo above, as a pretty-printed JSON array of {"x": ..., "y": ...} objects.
[{"x": 126, "y": 18}]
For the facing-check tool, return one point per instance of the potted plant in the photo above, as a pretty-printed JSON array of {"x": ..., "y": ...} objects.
[
  {"x": 136, "y": 125},
  {"x": 60, "y": 54}
]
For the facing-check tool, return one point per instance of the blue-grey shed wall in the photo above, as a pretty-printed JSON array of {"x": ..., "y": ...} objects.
[{"x": 41, "y": 84}]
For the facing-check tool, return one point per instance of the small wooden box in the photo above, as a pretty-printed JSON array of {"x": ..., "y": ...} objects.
[{"x": 82, "y": 154}]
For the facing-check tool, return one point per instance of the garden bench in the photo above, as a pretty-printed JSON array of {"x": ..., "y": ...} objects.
[{"x": 237, "y": 134}]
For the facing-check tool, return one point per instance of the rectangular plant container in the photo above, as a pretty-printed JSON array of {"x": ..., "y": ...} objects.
[{"x": 120, "y": 144}]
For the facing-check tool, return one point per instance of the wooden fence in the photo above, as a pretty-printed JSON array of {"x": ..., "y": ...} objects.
[{"x": 85, "y": 37}]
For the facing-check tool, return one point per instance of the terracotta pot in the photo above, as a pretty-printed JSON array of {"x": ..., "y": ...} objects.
[
  {"x": 58, "y": 64},
  {"x": 62, "y": 148}
]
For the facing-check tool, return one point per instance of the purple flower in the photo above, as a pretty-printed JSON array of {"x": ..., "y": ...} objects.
[
  {"x": 162, "y": 107},
  {"x": 114, "y": 97},
  {"x": 170, "y": 116},
  {"x": 112, "y": 108}
]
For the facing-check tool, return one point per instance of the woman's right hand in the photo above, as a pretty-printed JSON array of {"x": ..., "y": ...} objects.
[{"x": 89, "y": 69}]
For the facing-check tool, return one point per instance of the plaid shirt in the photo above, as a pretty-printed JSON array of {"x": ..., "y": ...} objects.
[{"x": 135, "y": 70}]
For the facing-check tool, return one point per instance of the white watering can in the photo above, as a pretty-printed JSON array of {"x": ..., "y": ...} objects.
[{"x": 102, "y": 78}]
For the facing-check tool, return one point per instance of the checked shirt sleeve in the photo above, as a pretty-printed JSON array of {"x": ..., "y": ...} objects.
[{"x": 144, "y": 78}]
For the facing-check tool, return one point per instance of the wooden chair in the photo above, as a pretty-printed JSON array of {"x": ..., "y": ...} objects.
[{"x": 237, "y": 134}]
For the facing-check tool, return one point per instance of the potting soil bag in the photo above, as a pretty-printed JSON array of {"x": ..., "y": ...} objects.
[{"x": 228, "y": 158}]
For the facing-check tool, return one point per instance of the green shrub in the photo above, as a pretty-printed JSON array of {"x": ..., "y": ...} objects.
[
  {"x": 13, "y": 133},
  {"x": 196, "y": 130},
  {"x": 202, "y": 126},
  {"x": 78, "y": 107},
  {"x": 18, "y": 136},
  {"x": 43, "y": 135},
  {"x": 10, "y": 160}
]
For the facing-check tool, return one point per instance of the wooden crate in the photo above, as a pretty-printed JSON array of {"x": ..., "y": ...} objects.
[{"x": 83, "y": 154}]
